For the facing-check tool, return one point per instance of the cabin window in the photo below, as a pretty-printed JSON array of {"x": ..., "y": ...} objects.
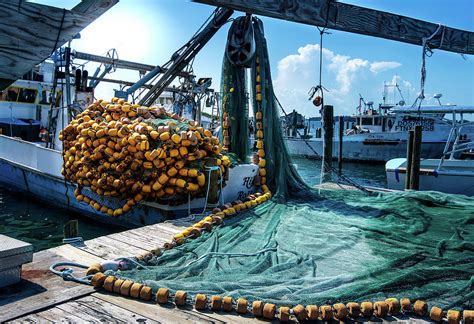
[
  {"x": 9, "y": 94},
  {"x": 366, "y": 121},
  {"x": 377, "y": 121},
  {"x": 27, "y": 95},
  {"x": 59, "y": 95},
  {"x": 45, "y": 98},
  {"x": 389, "y": 124}
]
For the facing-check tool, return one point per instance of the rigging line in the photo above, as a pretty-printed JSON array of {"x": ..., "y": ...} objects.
[
  {"x": 426, "y": 51},
  {"x": 322, "y": 31},
  {"x": 59, "y": 32},
  {"x": 319, "y": 157},
  {"x": 66, "y": 193}
]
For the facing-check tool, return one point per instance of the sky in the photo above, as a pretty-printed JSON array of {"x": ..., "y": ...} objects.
[{"x": 150, "y": 31}]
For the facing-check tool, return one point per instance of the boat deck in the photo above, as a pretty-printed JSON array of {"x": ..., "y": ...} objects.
[{"x": 43, "y": 297}]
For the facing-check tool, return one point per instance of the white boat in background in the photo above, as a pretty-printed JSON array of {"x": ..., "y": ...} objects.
[
  {"x": 382, "y": 134},
  {"x": 448, "y": 174},
  {"x": 454, "y": 177}
]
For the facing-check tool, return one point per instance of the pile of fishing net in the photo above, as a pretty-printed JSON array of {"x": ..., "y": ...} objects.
[
  {"x": 306, "y": 248},
  {"x": 135, "y": 153},
  {"x": 343, "y": 247}
]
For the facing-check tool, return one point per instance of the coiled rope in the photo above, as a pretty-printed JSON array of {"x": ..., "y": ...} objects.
[{"x": 68, "y": 273}]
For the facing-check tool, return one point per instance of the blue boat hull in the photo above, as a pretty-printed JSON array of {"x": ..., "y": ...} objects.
[{"x": 56, "y": 191}]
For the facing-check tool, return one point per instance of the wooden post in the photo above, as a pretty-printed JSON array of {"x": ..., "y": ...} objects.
[
  {"x": 328, "y": 116},
  {"x": 411, "y": 135},
  {"x": 71, "y": 229},
  {"x": 415, "y": 170},
  {"x": 212, "y": 178},
  {"x": 341, "y": 134}
]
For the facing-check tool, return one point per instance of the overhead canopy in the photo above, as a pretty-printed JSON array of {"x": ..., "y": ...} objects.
[
  {"x": 30, "y": 32},
  {"x": 355, "y": 19}
]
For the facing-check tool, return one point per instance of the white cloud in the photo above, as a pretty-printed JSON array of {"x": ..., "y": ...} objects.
[
  {"x": 345, "y": 69},
  {"x": 377, "y": 67},
  {"x": 343, "y": 76}
]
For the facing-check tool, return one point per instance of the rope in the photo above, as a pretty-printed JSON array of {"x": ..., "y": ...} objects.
[
  {"x": 66, "y": 193},
  {"x": 319, "y": 157},
  {"x": 426, "y": 51},
  {"x": 59, "y": 31},
  {"x": 224, "y": 254},
  {"x": 132, "y": 261},
  {"x": 67, "y": 273}
]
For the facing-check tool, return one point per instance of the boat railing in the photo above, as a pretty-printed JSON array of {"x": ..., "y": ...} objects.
[{"x": 455, "y": 133}]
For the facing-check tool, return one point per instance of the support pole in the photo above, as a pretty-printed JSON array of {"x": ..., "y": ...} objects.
[
  {"x": 71, "y": 229},
  {"x": 411, "y": 135},
  {"x": 212, "y": 178},
  {"x": 415, "y": 170},
  {"x": 341, "y": 133},
  {"x": 328, "y": 117}
]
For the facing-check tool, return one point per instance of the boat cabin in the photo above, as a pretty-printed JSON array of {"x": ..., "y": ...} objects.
[
  {"x": 373, "y": 123},
  {"x": 24, "y": 105}
]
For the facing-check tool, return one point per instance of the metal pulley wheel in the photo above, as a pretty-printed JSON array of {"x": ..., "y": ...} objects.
[
  {"x": 240, "y": 47},
  {"x": 112, "y": 54}
]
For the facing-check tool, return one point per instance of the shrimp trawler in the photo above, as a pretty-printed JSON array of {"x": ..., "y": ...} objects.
[
  {"x": 55, "y": 94},
  {"x": 31, "y": 165},
  {"x": 380, "y": 134}
]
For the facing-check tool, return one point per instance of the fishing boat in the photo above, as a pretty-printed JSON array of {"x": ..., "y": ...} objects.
[
  {"x": 31, "y": 163},
  {"x": 450, "y": 173},
  {"x": 379, "y": 135}
]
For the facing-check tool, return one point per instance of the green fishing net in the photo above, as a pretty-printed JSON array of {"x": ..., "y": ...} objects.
[
  {"x": 337, "y": 246},
  {"x": 234, "y": 102},
  {"x": 344, "y": 247}
]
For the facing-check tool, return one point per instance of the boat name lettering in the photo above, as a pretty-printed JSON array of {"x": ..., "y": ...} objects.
[
  {"x": 242, "y": 194},
  {"x": 406, "y": 124},
  {"x": 248, "y": 182}
]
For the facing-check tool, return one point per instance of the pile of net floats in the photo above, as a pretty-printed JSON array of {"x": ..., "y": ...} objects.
[{"x": 135, "y": 153}]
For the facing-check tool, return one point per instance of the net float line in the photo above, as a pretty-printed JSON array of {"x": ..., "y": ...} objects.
[{"x": 260, "y": 309}]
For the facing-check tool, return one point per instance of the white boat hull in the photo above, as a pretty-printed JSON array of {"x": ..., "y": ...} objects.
[
  {"x": 456, "y": 176},
  {"x": 365, "y": 147},
  {"x": 30, "y": 168}
]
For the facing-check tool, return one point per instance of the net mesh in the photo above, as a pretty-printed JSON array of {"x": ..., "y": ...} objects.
[
  {"x": 306, "y": 248},
  {"x": 234, "y": 102},
  {"x": 343, "y": 247}
]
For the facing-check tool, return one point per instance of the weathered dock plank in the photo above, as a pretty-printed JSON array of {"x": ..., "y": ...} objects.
[
  {"x": 40, "y": 290},
  {"x": 91, "y": 308},
  {"x": 106, "y": 247},
  {"x": 39, "y": 287},
  {"x": 171, "y": 314}
]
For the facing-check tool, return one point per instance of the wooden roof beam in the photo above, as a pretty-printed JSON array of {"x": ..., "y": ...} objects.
[{"x": 355, "y": 19}]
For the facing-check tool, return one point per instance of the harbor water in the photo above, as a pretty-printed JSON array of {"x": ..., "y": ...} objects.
[{"x": 41, "y": 224}]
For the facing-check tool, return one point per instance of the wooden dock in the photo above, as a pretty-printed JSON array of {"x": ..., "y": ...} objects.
[{"x": 43, "y": 297}]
